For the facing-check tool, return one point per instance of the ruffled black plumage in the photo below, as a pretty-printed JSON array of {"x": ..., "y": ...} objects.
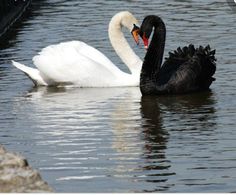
[
  {"x": 187, "y": 69},
  {"x": 200, "y": 60}
]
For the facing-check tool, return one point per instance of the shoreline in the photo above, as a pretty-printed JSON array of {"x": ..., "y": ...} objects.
[
  {"x": 17, "y": 176},
  {"x": 10, "y": 12}
]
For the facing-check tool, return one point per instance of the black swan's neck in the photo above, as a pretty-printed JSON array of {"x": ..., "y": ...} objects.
[{"x": 154, "y": 56}]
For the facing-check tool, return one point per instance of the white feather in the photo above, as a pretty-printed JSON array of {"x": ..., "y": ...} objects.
[{"x": 32, "y": 73}]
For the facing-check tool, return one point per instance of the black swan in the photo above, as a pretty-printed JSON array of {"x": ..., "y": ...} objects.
[{"x": 186, "y": 70}]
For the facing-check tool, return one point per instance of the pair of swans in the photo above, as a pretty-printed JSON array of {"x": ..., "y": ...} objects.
[{"x": 186, "y": 70}]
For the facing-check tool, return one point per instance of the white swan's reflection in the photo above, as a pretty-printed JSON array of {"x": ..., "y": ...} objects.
[
  {"x": 94, "y": 132},
  {"x": 106, "y": 109}
]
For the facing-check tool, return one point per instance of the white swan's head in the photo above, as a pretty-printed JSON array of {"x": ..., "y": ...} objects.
[
  {"x": 124, "y": 18},
  {"x": 128, "y": 20}
]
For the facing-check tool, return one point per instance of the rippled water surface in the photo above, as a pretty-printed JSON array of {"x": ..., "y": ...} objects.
[{"x": 113, "y": 139}]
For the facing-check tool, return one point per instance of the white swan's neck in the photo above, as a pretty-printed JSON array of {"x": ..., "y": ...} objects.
[{"x": 119, "y": 42}]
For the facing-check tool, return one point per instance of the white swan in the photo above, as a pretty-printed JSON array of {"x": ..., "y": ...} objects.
[{"x": 79, "y": 64}]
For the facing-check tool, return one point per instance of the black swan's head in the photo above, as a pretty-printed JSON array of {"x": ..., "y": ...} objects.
[{"x": 147, "y": 26}]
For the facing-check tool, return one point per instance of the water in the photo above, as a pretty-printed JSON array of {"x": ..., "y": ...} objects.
[{"x": 115, "y": 140}]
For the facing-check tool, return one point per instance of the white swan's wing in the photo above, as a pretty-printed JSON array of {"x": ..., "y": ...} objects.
[
  {"x": 75, "y": 62},
  {"x": 92, "y": 53}
]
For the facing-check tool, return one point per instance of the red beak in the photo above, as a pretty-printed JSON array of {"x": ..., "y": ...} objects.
[{"x": 145, "y": 41}]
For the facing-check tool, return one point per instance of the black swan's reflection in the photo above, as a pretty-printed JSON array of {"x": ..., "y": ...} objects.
[
  {"x": 164, "y": 116},
  {"x": 152, "y": 128}
]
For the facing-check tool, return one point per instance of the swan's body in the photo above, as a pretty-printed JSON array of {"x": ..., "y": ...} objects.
[
  {"x": 79, "y": 64},
  {"x": 186, "y": 70}
]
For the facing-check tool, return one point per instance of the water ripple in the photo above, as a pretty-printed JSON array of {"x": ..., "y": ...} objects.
[{"x": 114, "y": 139}]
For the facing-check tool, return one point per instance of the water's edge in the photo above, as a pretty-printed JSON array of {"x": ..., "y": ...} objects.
[
  {"x": 10, "y": 13},
  {"x": 17, "y": 176}
]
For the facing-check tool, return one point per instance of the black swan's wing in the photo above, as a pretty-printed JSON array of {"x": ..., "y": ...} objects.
[
  {"x": 174, "y": 61},
  {"x": 187, "y": 69}
]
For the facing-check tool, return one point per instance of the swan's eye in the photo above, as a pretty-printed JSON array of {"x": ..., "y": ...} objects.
[{"x": 135, "y": 34}]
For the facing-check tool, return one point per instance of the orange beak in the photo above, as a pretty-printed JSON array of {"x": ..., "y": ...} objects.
[{"x": 135, "y": 34}]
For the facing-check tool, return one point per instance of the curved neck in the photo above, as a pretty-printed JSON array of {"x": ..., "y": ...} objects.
[
  {"x": 154, "y": 56},
  {"x": 120, "y": 44}
]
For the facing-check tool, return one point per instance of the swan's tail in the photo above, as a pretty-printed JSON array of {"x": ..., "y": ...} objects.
[
  {"x": 32, "y": 73},
  {"x": 208, "y": 66},
  {"x": 206, "y": 60}
]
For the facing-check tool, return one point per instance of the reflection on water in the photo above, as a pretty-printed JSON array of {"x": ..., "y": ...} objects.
[
  {"x": 102, "y": 137},
  {"x": 113, "y": 139},
  {"x": 156, "y": 138},
  {"x": 86, "y": 127},
  {"x": 166, "y": 116}
]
